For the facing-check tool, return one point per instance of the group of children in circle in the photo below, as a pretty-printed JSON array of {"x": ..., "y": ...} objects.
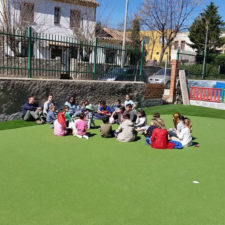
[{"x": 76, "y": 120}]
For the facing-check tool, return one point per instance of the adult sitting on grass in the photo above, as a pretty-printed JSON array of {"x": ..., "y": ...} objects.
[
  {"x": 73, "y": 108},
  {"x": 32, "y": 112},
  {"x": 126, "y": 132},
  {"x": 47, "y": 104},
  {"x": 103, "y": 111}
]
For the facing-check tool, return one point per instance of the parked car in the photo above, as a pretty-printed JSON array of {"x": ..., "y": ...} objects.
[
  {"x": 124, "y": 74},
  {"x": 161, "y": 77}
]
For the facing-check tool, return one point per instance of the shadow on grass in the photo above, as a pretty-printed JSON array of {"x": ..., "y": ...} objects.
[{"x": 7, "y": 125}]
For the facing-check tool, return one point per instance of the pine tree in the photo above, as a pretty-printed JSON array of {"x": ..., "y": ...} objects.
[
  {"x": 135, "y": 33},
  {"x": 197, "y": 31}
]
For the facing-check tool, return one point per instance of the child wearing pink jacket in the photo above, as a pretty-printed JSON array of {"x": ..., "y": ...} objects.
[
  {"x": 60, "y": 125},
  {"x": 81, "y": 127}
]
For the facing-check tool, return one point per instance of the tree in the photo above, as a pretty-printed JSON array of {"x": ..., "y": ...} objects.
[
  {"x": 197, "y": 32},
  {"x": 167, "y": 17},
  {"x": 135, "y": 32}
]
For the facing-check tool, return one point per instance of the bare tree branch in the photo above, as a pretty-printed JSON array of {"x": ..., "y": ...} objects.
[{"x": 168, "y": 17}]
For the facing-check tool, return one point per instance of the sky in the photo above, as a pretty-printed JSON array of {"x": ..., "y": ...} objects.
[{"x": 111, "y": 12}]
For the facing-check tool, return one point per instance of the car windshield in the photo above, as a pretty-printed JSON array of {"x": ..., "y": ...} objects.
[
  {"x": 122, "y": 70},
  {"x": 162, "y": 72},
  {"x": 117, "y": 70}
]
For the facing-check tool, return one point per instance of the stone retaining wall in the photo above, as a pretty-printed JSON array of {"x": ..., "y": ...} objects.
[{"x": 14, "y": 92}]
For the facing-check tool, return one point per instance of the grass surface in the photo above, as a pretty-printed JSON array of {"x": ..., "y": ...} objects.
[
  {"x": 163, "y": 110},
  {"x": 6, "y": 125},
  {"x": 187, "y": 111},
  {"x": 48, "y": 180}
]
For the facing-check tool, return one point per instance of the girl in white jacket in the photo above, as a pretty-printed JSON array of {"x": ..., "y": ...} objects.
[
  {"x": 185, "y": 134},
  {"x": 141, "y": 121}
]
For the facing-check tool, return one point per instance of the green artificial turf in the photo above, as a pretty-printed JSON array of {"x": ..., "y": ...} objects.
[
  {"x": 163, "y": 110},
  {"x": 15, "y": 124},
  {"x": 187, "y": 111},
  {"x": 48, "y": 180}
]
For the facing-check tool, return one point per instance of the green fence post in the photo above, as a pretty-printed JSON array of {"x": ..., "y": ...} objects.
[
  {"x": 178, "y": 53},
  {"x": 29, "y": 52},
  {"x": 222, "y": 96},
  {"x": 142, "y": 58},
  {"x": 95, "y": 58}
]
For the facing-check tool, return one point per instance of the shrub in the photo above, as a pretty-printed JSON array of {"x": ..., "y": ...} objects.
[{"x": 196, "y": 69}]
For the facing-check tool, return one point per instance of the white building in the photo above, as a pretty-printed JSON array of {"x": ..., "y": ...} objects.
[
  {"x": 181, "y": 41},
  {"x": 58, "y": 17},
  {"x": 187, "y": 54},
  {"x": 60, "y": 20}
]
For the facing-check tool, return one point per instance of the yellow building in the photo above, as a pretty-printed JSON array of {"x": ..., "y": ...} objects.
[{"x": 152, "y": 40}]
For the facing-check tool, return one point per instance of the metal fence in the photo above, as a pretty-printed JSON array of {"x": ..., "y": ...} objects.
[
  {"x": 38, "y": 55},
  {"x": 213, "y": 69}
]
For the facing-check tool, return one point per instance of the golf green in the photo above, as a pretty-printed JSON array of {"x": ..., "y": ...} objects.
[{"x": 48, "y": 180}]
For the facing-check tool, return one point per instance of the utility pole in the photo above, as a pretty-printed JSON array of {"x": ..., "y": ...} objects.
[
  {"x": 205, "y": 50},
  {"x": 124, "y": 35}
]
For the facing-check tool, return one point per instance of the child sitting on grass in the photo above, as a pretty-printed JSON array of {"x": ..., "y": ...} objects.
[
  {"x": 106, "y": 128},
  {"x": 184, "y": 137},
  {"x": 60, "y": 125},
  {"x": 81, "y": 127},
  {"x": 159, "y": 137},
  {"x": 156, "y": 115},
  {"x": 148, "y": 132},
  {"x": 51, "y": 115},
  {"x": 126, "y": 132},
  {"x": 131, "y": 112},
  {"x": 89, "y": 116},
  {"x": 141, "y": 120},
  {"x": 178, "y": 121}
]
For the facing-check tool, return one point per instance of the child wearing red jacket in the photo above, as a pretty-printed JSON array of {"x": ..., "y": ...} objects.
[{"x": 159, "y": 137}]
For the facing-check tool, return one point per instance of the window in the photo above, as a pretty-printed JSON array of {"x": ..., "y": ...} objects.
[
  {"x": 110, "y": 56},
  {"x": 56, "y": 52},
  {"x": 23, "y": 48},
  {"x": 73, "y": 52},
  {"x": 146, "y": 40},
  {"x": 27, "y": 12},
  {"x": 74, "y": 18},
  {"x": 161, "y": 40},
  {"x": 182, "y": 45},
  {"x": 176, "y": 45},
  {"x": 57, "y": 15}
]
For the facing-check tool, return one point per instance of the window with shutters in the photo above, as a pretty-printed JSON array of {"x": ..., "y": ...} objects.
[
  {"x": 74, "y": 18},
  {"x": 57, "y": 15},
  {"x": 27, "y": 12},
  {"x": 176, "y": 44},
  {"x": 182, "y": 45}
]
